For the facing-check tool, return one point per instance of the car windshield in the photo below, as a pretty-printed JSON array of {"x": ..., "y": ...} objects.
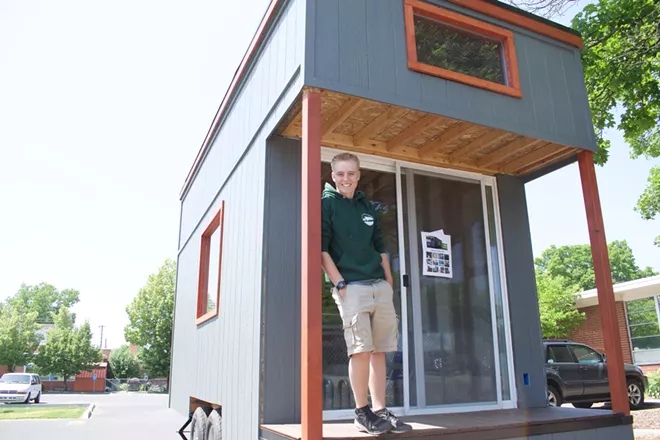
[{"x": 15, "y": 378}]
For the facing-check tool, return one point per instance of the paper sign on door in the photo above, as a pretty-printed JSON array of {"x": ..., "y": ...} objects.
[{"x": 436, "y": 254}]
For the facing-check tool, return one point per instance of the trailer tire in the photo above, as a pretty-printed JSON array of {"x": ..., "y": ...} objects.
[
  {"x": 214, "y": 430},
  {"x": 198, "y": 426}
]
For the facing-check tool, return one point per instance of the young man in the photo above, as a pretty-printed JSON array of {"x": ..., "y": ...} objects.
[{"x": 355, "y": 260}]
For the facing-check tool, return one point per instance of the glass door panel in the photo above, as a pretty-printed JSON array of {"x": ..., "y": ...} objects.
[
  {"x": 379, "y": 188},
  {"x": 450, "y": 313}
]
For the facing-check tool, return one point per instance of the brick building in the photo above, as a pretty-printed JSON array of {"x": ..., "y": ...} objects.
[{"x": 638, "y": 313}]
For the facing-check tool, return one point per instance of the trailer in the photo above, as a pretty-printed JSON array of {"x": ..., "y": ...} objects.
[{"x": 452, "y": 107}]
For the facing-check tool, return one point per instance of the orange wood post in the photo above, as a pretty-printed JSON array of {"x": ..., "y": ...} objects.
[
  {"x": 311, "y": 340},
  {"x": 606, "y": 301}
]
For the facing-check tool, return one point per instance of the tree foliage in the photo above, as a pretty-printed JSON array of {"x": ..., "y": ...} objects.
[
  {"x": 563, "y": 271},
  {"x": 124, "y": 364},
  {"x": 621, "y": 61},
  {"x": 18, "y": 336},
  {"x": 68, "y": 350},
  {"x": 574, "y": 264},
  {"x": 649, "y": 202},
  {"x": 44, "y": 299},
  {"x": 559, "y": 316},
  {"x": 621, "y": 67},
  {"x": 150, "y": 320}
]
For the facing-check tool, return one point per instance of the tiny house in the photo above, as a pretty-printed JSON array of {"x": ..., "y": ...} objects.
[{"x": 451, "y": 106}]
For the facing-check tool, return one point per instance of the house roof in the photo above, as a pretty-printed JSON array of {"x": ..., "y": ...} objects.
[
  {"x": 493, "y": 8},
  {"x": 100, "y": 372},
  {"x": 626, "y": 291}
]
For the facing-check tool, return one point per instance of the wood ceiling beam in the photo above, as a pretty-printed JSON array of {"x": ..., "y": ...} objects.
[
  {"x": 450, "y": 134},
  {"x": 560, "y": 154},
  {"x": 505, "y": 151},
  {"x": 341, "y": 115},
  {"x": 484, "y": 141},
  {"x": 532, "y": 158},
  {"x": 397, "y": 143},
  {"x": 295, "y": 126},
  {"x": 382, "y": 121}
]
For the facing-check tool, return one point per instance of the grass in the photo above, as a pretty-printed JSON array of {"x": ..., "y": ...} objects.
[{"x": 11, "y": 412}]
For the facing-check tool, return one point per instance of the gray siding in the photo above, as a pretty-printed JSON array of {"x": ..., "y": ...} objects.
[
  {"x": 358, "y": 47},
  {"x": 281, "y": 296},
  {"x": 278, "y": 66},
  {"x": 219, "y": 361},
  {"x": 611, "y": 433},
  {"x": 521, "y": 286}
]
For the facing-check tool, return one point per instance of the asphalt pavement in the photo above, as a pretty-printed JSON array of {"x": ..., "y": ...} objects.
[{"x": 125, "y": 416}]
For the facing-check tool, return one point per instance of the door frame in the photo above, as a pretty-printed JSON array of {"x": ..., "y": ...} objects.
[{"x": 378, "y": 163}]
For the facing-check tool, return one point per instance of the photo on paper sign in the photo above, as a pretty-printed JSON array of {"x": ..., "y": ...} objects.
[{"x": 433, "y": 242}]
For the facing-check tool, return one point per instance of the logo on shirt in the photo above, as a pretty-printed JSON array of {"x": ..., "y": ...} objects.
[{"x": 367, "y": 219}]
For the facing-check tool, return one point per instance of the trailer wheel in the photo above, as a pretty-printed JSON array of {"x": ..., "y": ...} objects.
[
  {"x": 199, "y": 424},
  {"x": 214, "y": 426}
]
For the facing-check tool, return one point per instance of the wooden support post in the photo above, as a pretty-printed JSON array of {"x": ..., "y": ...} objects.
[
  {"x": 311, "y": 341},
  {"x": 606, "y": 301}
]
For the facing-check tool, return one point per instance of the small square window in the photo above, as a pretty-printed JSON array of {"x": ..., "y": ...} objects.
[
  {"x": 458, "y": 48},
  {"x": 210, "y": 269}
]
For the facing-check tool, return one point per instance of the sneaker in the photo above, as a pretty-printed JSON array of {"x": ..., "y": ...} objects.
[
  {"x": 367, "y": 421},
  {"x": 397, "y": 425}
]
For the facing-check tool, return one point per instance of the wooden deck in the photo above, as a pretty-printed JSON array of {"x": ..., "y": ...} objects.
[{"x": 483, "y": 425}]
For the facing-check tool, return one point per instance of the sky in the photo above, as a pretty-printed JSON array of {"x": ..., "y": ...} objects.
[{"x": 103, "y": 107}]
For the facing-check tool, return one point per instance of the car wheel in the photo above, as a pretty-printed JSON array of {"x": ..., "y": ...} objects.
[
  {"x": 583, "y": 405},
  {"x": 635, "y": 394},
  {"x": 214, "y": 426},
  {"x": 554, "y": 398},
  {"x": 198, "y": 427},
  {"x": 38, "y": 398}
]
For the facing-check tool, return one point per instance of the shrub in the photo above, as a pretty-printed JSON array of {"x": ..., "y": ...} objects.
[{"x": 654, "y": 385}]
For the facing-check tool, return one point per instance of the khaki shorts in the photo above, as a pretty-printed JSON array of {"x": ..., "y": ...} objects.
[{"x": 369, "y": 320}]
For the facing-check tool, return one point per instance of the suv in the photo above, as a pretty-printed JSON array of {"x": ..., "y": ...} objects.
[
  {"x": 577, "y": 374},
  {"x": 20, "y": 387}
]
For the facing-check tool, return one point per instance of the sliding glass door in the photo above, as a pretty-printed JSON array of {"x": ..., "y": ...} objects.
[{"x": 443, "y": 241}]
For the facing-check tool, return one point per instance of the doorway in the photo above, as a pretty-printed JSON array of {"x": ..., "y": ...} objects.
[{"x": 442, "y": 237}]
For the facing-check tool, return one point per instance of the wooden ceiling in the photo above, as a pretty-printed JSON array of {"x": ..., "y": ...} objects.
[{"x": 363, "y": 126}]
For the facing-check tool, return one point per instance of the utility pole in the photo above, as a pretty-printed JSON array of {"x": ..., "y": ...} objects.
[{"x": 101, "y": 341}]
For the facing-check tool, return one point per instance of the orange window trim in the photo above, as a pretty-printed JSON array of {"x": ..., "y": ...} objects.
[
  {"x": 504, "y": 36},
  {"x": 216, "y": 223}
]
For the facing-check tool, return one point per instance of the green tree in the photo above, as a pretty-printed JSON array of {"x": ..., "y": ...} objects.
[
  {"x": 559, "y": 315},
  {"x": 621, "y": 61},
  {"x": 68, "y": 350},
  {"x": 150, "y": 320},
  {"x": 124, "y": 364},
  {"x": 18, "y": 336},
  {"x": 574, "y": 264},
  {"x": 648, "y": 204},
  {"x": 44, "y": 299}
]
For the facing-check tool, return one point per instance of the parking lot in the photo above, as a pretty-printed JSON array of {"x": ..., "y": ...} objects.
[{"x": 128, "y": 416}]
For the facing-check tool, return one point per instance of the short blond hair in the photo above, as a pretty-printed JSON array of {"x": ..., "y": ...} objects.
[{"x": 344, "y": 157}]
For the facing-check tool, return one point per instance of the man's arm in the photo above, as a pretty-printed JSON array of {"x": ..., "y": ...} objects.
[
  {"x": 385, "y": 262},
  {"x": 331, "y": 269}
]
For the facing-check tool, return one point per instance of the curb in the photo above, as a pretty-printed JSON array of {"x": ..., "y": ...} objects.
[
  {"x": 88, "y": 412},
  {"x": 641, "y": 433}
]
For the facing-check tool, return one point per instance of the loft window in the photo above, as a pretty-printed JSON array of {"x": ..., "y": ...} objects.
[
  {"x": 210, "y": 265},
  {"x": 458, "y": 48}
]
